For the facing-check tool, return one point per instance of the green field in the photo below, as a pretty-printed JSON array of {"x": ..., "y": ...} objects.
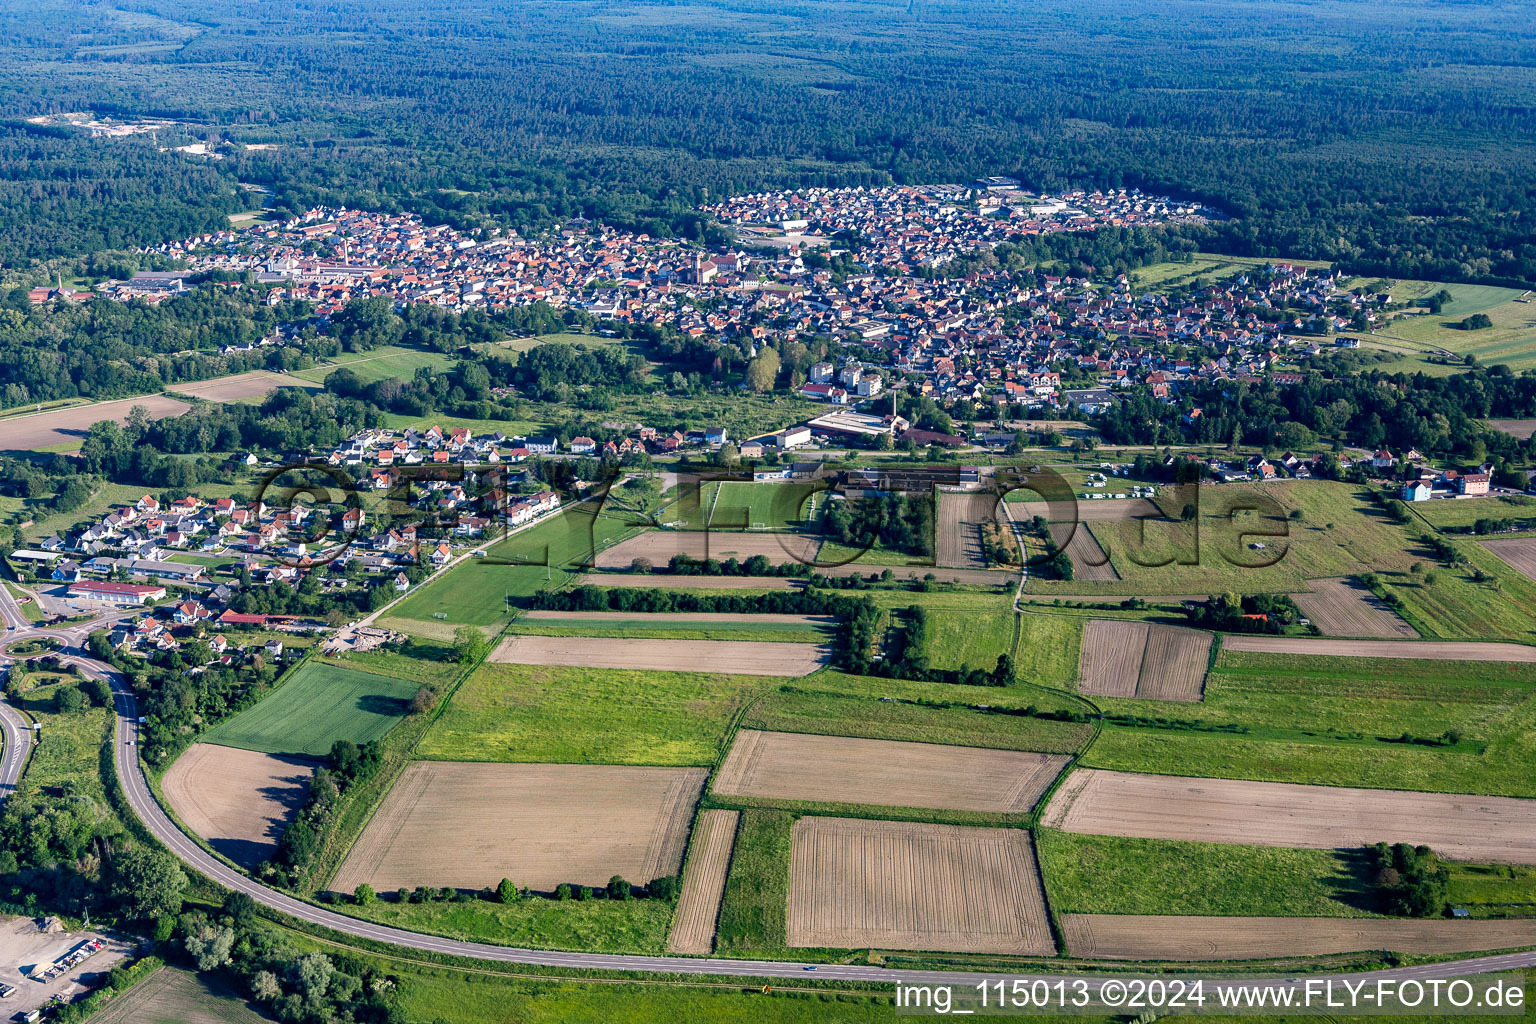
[
  {"x": 595, "y": 716},
  {"x": 476, "y": 591},
  {"x": 1115, "y": 875},
  {"x": 1511, "y": 340},
  {"x": 1456, "y": 606},
  {"x": 833, "y": 704},
  {"x": 1340, "y": 531},
  {"x": 379, "y": 364},
  {"x": 598, "y": 926},
  {"x": 753, "y": 908},
  {"x": 1494, "y": 890},
  {"x": 1212, "y": 266},
  {"x": 1465, "y": 512},
  {"x": 467, "y": 999},
  {"x": 69, "y": 754},
  {"x": 320, "y": 703},
  {"x": 1340, "y": 721},
  {"x": 678, "y": 628}
]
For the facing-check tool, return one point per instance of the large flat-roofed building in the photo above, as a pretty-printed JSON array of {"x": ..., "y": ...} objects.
[{"x": 116, "y": 593}]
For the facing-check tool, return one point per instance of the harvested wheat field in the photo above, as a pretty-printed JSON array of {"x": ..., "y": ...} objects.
[
  {"x": 1174, "y": 664},
  {"x": 746, "y": 657},
  {"x": 615, "y": 579},
  {"x": 1110, "y": 663},
  {"x": 660, "y": 545},
  {"x": 842, "y": 770},
  {"x": 243, "y": 385},
  {"x": 1089, "y": 562},
  {"x": 240, "y": 801},
  {"x": 1343, "y": 607},
  {"x": 958, "y": 533},
  {"x": 698, "y": 906},
  {"x": 1431, "y": 650},
  {"x": 1520, "y": 554},
  {"x": 1116, "y": 937},
  {"x": 905, "y": 885},
  {"x": 471, "y": 824},
  {"x": 1133, "y": 659},
  {"x": 1458, "y": 827}
]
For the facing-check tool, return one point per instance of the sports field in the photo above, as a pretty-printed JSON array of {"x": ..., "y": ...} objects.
[{"x": 320, "y": 703}]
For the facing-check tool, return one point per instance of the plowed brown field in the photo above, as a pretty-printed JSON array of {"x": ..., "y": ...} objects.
[
  {"x": 1520, "y": 553},
  {"x": 1458, "y": 827},
  {"x": 1133, "y": 659},
  {"x": 747, "y": 657},
  {"x": 1089, "y": 562},
  {"x": 958, "y": 534},
  {"x": 240, "y": 801},
  {"x": 698, "y": 907},
  {"x": 602, "y": 579},
  {"x": 1115, "y": 937},
  {"x": 1111, "y": 657},
  {"x": 1343, "y": 607},
  {"x": 903, "y": 885},
  {"x": 469, "y": 825},
  {"x": 1431, "y": 650},
  {"x": 839, "y": 769}
]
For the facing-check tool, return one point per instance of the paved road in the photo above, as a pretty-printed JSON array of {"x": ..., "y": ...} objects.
[{"x": 14, "y": 726}]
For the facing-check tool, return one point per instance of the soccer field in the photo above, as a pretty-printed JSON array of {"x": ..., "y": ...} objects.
[{"x": 320, "y": 704}]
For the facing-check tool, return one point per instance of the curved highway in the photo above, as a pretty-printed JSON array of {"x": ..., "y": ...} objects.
[{"x": 142, "y": 801}]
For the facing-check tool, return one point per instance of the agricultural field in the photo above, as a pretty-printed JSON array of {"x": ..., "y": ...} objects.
[
  {"x": 693, "y": 927},
  {"x": 752, "y": 910},
  {"x": 659, "y": 546},
  {"x": 1446, "y": 726},
  {"x": 1257, "y": 938},
  {"x": 531, "y": 713},
  {"x": 762, "y": 584},
  {"x": 1089, "y": 562},
  {"x": 319, "y": 703},
  {"x": 1343, "y": 607},
  {"x": 1511, "y": 340},
  {"x": 906, "y": 885},
  {"x": 842, "y": 770},
  {"x": 580, "y": 824},
  {"x": 892, "y": 709},
  {"x": 957, "y": 531},
  {"x": 1519, "y": 554},
  {"x": 1211, "y": 266},
  {"x": 1092, "y": 874},
  {"x": 1453, "y": 513},
  {"x": 380, "y": 364},
  {"x": 238, "y": 801},
  {"x": 1484, "y": 599},
  {"x": 175, "y": 996},
  {"x": 475, "y": 591},
  {"x": 1278, "y": 814},
  {"x": 1151, "y": 662},
  {"x": 1521, "y": 429},
  {"x": 758, "y": 657},
  {"x": 807, "y": 629},
  {"x": 1313, "y": 528},
  {"x": 1437, "y": 650}
]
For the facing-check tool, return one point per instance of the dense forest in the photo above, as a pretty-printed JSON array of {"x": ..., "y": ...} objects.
[{"x": 1396, "y": 137}]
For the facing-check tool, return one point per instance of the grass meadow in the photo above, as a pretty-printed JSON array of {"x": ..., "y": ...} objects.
[
  {"x": 753, "y": 908},
  {"x": 590, "y": 716},
  {"x": 322, "y": 702},
  {"x": 1116, "y": 875},
  {"x": 1341, "y": 722},
  {"x": 597, "y": 926}
]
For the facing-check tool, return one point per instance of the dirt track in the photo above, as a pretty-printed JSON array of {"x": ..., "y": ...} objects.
[
  {"x": 1519, "y": 553},
  {"x": 1431, "y": 650},
  {"x": 469, "y": 825},
  {"x": 1117, "y": 937},
  {"x": 698, "y": 907},
  {"x": 1342, "y": 607},
  {"x": 899, "y": 885},
  {"x": 240, "y": 801},
  {"x": 839, "y": 769},
  {"x": 744, "y": 657},
  {"x": 1458, "y": 827}
]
